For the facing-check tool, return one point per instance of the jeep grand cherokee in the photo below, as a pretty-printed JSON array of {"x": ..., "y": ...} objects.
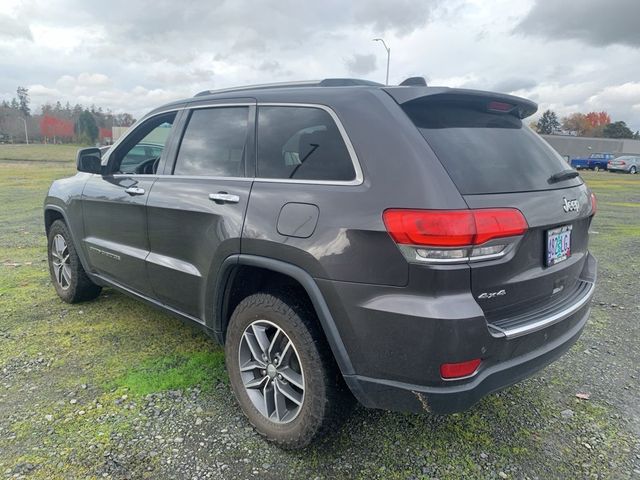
[{"x": 417, "y": 246}]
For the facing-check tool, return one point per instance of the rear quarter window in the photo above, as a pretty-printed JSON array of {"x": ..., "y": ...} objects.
[
  {"x": 486, "y": 152},
  {"x": 301, "y": 143}
]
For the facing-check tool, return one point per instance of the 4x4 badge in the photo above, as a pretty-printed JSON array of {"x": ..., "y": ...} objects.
[
  {"x": 486, "y": 295},
  {"x": 570, "y": 205}
]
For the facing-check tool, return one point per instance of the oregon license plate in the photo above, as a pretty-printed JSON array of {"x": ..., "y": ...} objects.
[{"x": 558, "y": 244}]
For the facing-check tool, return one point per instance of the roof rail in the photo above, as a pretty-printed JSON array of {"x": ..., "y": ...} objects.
[
  {"x": 348, "y": 82},
  {"x": 327, "y": 82},
  {"x": 414, "y": 82}
]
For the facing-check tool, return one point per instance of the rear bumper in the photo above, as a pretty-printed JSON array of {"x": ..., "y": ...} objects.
[
  {"x": 399, "y": 396},
  {"x": 397, "y": 339},
  {"x": 613, "y": 168}
]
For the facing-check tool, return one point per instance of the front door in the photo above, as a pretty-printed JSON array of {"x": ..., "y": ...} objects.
[
  {"x": 196, "y": 210},
  {"x": 113, "y": 205}
]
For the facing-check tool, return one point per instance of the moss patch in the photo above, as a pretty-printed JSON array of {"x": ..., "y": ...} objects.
[{"x": 175, "y": 372}]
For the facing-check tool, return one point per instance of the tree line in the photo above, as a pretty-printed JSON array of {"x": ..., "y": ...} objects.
[
  {"x": 17, "y": 120},
  {"x": 592, "y": 124}
]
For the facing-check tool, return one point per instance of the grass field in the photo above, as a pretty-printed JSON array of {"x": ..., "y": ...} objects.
[
  {"x": 51, "y": 153},
  {"x": 115, "y": 389}
]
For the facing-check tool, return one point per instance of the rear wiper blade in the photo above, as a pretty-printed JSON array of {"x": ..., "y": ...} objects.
[{"x": 563, "y": 175}]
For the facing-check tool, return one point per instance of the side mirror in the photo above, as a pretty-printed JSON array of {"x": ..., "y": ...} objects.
[{"x": 88, "y": 160}]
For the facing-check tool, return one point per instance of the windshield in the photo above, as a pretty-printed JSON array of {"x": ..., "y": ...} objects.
[{"x": 486, "y": 152}]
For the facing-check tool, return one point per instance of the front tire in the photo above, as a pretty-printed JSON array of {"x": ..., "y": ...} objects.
[
  {"x": 281, "y": 369},
  {"x": 69, "y": 278}
]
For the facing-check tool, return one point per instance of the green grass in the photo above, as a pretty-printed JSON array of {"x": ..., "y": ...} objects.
[
  {"x": 37, "y": 152},
  {"x": 175, "y": 372}
]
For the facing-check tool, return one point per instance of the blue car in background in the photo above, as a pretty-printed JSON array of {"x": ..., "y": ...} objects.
[{"x": 596, "y": 161}]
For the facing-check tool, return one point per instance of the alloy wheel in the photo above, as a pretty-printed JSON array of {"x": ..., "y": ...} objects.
[
  {"x": 61, "y": 261},
  {"x": 271, "y": 372}
]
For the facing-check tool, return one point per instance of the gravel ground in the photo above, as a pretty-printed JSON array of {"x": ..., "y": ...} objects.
[{"x": 115, "y": 389}]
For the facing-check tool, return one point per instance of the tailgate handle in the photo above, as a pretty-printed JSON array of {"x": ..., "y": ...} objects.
[{"x": 224, "y": 197}]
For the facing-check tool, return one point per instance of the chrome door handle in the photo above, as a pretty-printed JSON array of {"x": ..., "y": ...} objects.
[
  {"x": 222, "y": 197},
  {"x": 135, "y": 191}
]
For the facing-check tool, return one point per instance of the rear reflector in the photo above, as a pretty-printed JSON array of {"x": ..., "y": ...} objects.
[
  {"x": 594, "y": 204},
  {"x": 450, "y": 371},
  {"x": 453, "y": 228}
]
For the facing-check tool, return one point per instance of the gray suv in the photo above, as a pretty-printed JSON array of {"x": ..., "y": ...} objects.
[{"x": 413, "y": 247}]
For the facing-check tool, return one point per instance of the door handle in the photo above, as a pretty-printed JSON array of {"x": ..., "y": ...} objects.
[
  {"x": 224, "y": 197},
  {"x": 135, "y": 191}
]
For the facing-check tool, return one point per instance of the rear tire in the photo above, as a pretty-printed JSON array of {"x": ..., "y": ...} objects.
[
  {"x": 596, "y": 169},
  {"x": 289, "y": 394},
  {"x": 633, "y": 170},
  {"x": 69, "y": 278}
]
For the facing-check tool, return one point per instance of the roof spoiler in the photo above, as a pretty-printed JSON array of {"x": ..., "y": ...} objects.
[{"x": 519, "y": 107}]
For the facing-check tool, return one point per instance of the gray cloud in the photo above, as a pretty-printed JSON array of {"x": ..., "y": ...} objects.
[
  {"x": 134, "y": 56},
  {"x": 361, "y": 64},
  {"x": 400, "y": 16},
  {"x": 513, "y": 84},
  {"x": 11, "y": 29},
  {"x": 595, "y": 22}
]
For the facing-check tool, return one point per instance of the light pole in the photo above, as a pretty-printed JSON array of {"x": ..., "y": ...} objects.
[
  {"x": 26, "y": 132},
  {"x": 388, "y": 56}
]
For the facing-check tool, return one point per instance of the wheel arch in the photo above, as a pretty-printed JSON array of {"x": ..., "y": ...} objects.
[
  {"x": 225, "y": 289},
  {"x": 51, "y": 214},
  {"x": 55, "y": 212}
]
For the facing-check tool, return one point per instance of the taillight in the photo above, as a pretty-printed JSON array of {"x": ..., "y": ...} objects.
[
  {"x": 594, "y": 204},
  {"x": 500, "y": 106},
  {"x": 452, "y": 371},
  {"x": 452, "y": 235},
  {"x": 621, "y": 162}
]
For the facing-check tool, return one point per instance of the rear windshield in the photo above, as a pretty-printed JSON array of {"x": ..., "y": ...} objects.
[{"x": 487, "y": 152}]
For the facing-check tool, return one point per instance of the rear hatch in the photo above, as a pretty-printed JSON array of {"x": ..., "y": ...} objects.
[{"x": 496, "y": 161}]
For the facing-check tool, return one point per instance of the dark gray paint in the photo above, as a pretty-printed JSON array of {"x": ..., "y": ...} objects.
[
  {"x": 115, "y": 238},
  {"x": 298, "y": 220},
  {"x": 389, "y": 324},
  {"x": 190, "y": 236}
]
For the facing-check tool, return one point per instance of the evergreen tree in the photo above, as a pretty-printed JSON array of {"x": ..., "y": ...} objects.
[
  {"x": 86, "y": 128},
  {"x": 23, "y": 101},
  {"x": 548, "y": 123}
]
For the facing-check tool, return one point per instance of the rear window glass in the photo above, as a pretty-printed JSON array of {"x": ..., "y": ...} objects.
[
  {"x": 214, "y": 143},
  {"x": 486, "y": 152}
]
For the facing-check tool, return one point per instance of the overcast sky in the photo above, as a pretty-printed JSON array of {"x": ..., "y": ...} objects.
[{"x": 134, "y": 55}]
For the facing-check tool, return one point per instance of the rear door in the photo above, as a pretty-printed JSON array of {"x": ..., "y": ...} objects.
[
  {"x": 196, "y": 209},
  {"x": 497, "y": 161},
  {"x": 113, "y": 205}
]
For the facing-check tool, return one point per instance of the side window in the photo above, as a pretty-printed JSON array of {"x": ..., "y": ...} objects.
[
  {"x": 301, "y": 143},
  {"x": 141, "y": 151},
  {"x": 214, "y": 143}
]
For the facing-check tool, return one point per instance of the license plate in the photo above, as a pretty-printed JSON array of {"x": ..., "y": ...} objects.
[{"x": 558, "y": 244}]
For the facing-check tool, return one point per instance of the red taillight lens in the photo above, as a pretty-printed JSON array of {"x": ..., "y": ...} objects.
[
  {"x": 497, "y": 223},
  {"x": 459, "y": 370},
  {"x": 453, "y": 228},
  {"x": 594, "y": 204},
  {"x": 441, "y": 228},
  {"x": 500, "y": 106},
  {"x": 622, "y": 162}
]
